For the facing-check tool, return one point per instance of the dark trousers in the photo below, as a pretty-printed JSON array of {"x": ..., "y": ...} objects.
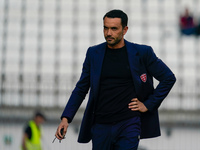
[{"x": 124, "y": 135}]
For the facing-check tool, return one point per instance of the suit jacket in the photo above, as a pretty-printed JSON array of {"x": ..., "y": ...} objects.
[{"x": 144, "y": 65}]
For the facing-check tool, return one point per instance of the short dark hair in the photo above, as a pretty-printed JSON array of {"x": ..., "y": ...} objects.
[
  {"x": 40, "y": 114},
  {"x": 116, "y": 13}
]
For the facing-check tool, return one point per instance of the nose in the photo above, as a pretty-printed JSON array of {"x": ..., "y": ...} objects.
[{"x": 109, "y": 32}]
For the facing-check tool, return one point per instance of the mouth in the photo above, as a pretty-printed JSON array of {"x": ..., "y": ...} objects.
[{"x": 109, "y": 38}]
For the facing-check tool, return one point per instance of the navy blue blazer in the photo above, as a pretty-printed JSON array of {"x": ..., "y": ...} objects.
[{"x": 144, "y": 66}]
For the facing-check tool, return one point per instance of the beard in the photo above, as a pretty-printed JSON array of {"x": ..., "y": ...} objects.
[{"x": 113, "y": 41}]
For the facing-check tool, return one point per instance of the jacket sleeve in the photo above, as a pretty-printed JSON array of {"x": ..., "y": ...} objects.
[
  {"x": 79, "y": 92},
  {"x": 160, "y": 71}
]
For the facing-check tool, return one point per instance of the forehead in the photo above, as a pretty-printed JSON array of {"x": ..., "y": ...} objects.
[{"x": 111, "y": 22}]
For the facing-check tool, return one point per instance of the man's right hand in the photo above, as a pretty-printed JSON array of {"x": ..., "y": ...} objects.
[{"x": 64, "y": 124}]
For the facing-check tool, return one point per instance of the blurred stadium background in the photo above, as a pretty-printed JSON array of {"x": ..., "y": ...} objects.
[{"x": 42, "y": 47}]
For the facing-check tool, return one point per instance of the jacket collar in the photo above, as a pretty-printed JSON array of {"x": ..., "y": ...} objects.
[{"x": 133, "y": 55}]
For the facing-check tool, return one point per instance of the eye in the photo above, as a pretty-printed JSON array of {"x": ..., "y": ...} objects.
[
  {"x": 105, "y": 28},
  {"x": 114, "y": 28}
]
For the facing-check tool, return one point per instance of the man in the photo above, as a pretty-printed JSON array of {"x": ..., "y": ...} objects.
[
  {"x": 32, "y": 133},
  {"x": 122, "y": 105},
  {"x": 187, "y": 24}
]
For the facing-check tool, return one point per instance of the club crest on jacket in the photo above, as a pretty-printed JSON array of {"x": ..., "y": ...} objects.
[{"x": 143, "y": 77}]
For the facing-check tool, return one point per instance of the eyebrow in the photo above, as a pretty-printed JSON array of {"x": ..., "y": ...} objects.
[
  {"x": 114, "y": 28},
  {"x": 111, "y": 27}
]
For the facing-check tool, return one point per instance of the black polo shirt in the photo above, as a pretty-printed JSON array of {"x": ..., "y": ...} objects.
[{"x": 116, "y": 88}]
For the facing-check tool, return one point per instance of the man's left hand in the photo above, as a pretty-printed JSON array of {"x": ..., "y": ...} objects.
[{"x": 136, "y": 105}]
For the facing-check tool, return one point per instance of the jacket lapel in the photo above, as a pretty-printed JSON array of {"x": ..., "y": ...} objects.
[
  {"x": 98, "y": 61},
  {"x": 134, "y": 62}
]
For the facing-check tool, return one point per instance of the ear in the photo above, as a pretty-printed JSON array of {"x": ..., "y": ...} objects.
[{"x": 125, "y": 30}]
